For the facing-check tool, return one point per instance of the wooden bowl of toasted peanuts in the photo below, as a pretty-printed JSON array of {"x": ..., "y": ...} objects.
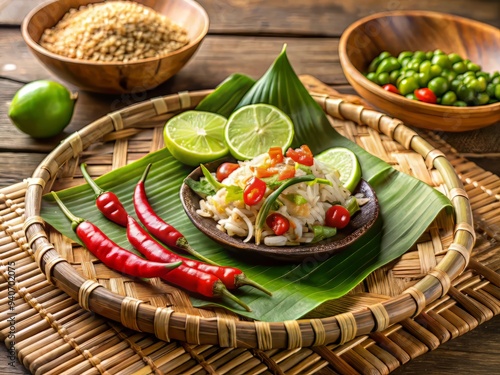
[{"x": 117, "y": 46}]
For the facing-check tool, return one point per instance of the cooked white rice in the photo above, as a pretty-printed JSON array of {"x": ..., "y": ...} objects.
[{"x": 238, "y": 219}]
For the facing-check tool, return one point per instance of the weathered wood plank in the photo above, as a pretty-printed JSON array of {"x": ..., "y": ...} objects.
[
  {"x": 15, "y": 167},
  {"x": 295, "y": 17}
]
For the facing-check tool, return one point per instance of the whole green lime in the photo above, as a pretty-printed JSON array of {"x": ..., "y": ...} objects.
[{"x": 42, "y": 109}]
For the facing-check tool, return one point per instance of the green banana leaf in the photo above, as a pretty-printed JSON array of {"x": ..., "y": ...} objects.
[{"x": 408, "y": 207}]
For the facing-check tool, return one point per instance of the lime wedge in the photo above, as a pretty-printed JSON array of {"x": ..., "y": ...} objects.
[
  {"x": 195, "y": 137},
  {"x": 346, "y": 162},
  {"x": 253, "y": 129}
]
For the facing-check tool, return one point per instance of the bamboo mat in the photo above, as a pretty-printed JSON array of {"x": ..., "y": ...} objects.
[{"x": 54, "y": 335}]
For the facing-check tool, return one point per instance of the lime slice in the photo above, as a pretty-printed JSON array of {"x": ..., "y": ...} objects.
[
  {"x": 195, "y": 137},
  {"x": 346, "y": 162},
  {"x": 253, "y": 129}
]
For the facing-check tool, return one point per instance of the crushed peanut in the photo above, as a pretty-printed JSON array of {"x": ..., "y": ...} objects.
[{"x": 114, "y": 31}]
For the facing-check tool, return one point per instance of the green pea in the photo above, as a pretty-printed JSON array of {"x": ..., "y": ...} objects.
[
  {"x": 481, "y": 98},
  {"x": 425, "y": 66},
  {"x": 405, "y": 61},
  {"x": 383, "y": 55},
  {"x": 442, "y": 60},
  {"x": 486, "y": 75},
  {"x": 408, "y": 85},
  {"x": 419, "y": 55},
  {"x": 465, "y": 93},
  {"x": 409, "y": 73},
  {"x": 436, "y": 70},
  {"x": 388, "y": 65},
  {"x": 459, "y": 67},
  {"x": 374, "y": 64},
  {"x": 428, "y": 55},
  {"x": 372, "y": 77},
  {"x": 449, "y": 75},
  {"x": 454, "y": 57},
  {"x": 400, "y": 78},
  {"x": 411, "y": 96},
  {"x": 495, "y": 80},
  {"x": 470, "y": 73},
  {"x": 383, "y": 78},
  {"x": 404, "y": 55},
  {"x": 490, "y": 89},
  {"x": 479, "y": 85},
  {"x": 454, "y": 84},
  {"x": 393, "y": 76},
  {"x": 423, "y": 79},
  {"x": 438, "y": 52},
  {"x": 460, "y": 103},
  {"x": 473, "y": 67},
  {"x": 414, "y": 64},
  {"x": 497, "y": 91},
  {"x": 449, "y": 98},
  {"x": 469, "y": 80},
  {"x": 438, "y": 85}
]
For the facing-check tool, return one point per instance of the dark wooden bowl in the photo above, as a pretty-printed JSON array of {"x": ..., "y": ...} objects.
[
  {"x": 116, "y": 77},
  {"x": 360, "y": 223},
  {"x": 426, "y": 31}
]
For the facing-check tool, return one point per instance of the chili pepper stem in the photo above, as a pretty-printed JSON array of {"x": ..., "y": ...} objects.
[
  {"x": 241, "y": 280},
  {"x": 220, "y": 289},
  {"x": 145, "y": 173},
  {"x": 183, "y": 244},
  {"x": 97, "y": 189},
  {"x": 75, "y": 220}
]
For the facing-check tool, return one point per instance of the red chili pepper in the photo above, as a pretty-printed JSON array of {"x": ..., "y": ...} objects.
[
  {"x": 139, "y": 238},
  {"x": 254, "y": 191},
  {"x": 190, "y": 275},
  {"x": 278, "y": 223},
  {"x": 302, "y": 155},
  {"x": 110, "y": 253},
  {"x": 165, "y": 232},
  {"x": 106, "y": 201},
  {"x": 391, "y": 88},
  {"x": 426, "y": 95}
]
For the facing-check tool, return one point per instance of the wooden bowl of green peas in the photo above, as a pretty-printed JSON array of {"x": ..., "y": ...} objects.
[{"x": 431, "y": 70}]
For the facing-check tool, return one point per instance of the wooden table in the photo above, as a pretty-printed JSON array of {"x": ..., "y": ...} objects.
[{"x": 245, "y": 37}]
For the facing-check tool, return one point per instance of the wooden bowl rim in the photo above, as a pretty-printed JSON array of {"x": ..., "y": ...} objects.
[
  {"x": 425, "y": 108},
  {"x": 39, "y": 49}
]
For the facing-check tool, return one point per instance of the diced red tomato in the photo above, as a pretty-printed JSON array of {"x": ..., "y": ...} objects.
[
  {"x": 278, "y": 223},
  {"x": 224, "y": 170},
  {"x": 337, "y": 217},
  {"x": 287, "y": 172},
  {"x": 276, "y": 155},
  {"x": 302, "y": 155},
  {"x": 262, "y": 172},
  {"x": 254, "y": 191}
]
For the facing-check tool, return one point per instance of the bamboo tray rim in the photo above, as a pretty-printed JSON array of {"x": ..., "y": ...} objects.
[{"x": 168, "y": 324}]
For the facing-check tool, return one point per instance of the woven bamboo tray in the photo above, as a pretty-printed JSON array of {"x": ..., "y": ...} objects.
[
  {"x": 123, "y": 136},
  {"x": 54, "y": 335}
]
